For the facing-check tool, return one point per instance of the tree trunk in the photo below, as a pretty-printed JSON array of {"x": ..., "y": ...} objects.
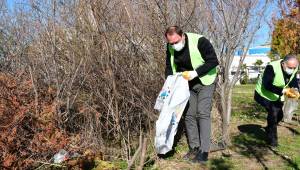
[
  {"x": 226, "y": 126},
  {"x": 225, "y": 99}
]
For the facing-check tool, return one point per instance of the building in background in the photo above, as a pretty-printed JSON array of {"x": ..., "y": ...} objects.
[{"x": 256, "y": 60}]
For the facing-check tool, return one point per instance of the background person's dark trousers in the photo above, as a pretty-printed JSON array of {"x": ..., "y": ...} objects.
[{"x": 275, "y": 115}]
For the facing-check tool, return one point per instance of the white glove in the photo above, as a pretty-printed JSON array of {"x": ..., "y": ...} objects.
[{"x": 189, "y": 75}]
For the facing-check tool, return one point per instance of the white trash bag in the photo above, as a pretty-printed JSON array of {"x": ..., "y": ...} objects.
[
  {"x": 289, "y": 107},
  {"x": 171, "y": 103},
  {"x": 165, "y": 92}
]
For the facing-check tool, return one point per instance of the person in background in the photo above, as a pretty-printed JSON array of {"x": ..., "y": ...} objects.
[
  {"x": 277, "y": 78},
  {"x": 194, "y": 56}
]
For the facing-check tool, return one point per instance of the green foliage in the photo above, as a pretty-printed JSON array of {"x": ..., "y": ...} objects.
[
  {"x": 244, "y": 79},
  {"x": 258, "y": 62}
]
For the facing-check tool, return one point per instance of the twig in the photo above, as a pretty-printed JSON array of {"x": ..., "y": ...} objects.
[
  {"x": 135, "y": 154},
  {"x": 50, "y": 164},
  {"x": 144, "y": 149},
  {"x": 36, "y": 96}
]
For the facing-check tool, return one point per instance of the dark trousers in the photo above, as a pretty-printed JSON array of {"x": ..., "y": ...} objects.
[
  {"x": 198, "y": 116},
  {"x": 275, "y": 115}
]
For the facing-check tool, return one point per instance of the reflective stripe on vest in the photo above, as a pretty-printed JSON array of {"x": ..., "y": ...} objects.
[
  {"x": 278, "y": 81},
  {"x": 196, "y": 59}
]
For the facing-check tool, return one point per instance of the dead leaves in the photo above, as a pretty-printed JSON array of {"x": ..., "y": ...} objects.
[{"x": 26, "y": 136}]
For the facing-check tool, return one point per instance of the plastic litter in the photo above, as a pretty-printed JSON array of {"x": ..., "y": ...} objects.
[
  {"x": 289, "y": 108},
  {"x": 61, "y": 156}
]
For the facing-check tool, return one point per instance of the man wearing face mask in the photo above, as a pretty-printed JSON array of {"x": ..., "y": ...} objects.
[
  {"x": 194, "y": 56},
  {"x": 270, "y": 88}
]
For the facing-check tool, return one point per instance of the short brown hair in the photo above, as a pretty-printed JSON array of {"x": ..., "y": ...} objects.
[{"x": 173, "y": 29}]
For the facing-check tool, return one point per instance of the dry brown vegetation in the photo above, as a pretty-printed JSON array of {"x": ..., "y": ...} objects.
[{"x": 84, "y": 74}]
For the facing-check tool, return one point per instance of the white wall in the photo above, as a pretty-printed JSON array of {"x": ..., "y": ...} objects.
[{"x": 249, "y": 61}]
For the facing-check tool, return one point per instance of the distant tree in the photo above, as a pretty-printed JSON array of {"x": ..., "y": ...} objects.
[
  {"x": 244, "y": 68},
  {"x": 286, "y": 34},
  {"x": 244, "y": 74},
  {"x": 258, "y": 64},
  {"x": 232, "y": 25}
]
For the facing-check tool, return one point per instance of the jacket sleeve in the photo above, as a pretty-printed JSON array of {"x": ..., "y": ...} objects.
[
  {"x": 267, "y": 81},
  {"x": 294, "y": 83},
  {"x": 209, "y": 56},
  {"x": 168, "y": 69}
]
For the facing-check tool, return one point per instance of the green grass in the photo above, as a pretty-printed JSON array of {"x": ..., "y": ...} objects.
[
  {"x": 117, "y": 164},
  {"x": 289, "y": 150},
  {"x": 243, "y": 105},
  {"x": 251, "y": 141},
  {"x": 221, "y": 163}
]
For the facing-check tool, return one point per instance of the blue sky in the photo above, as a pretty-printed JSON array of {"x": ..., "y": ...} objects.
[
  {"x": 263, "y": 35},
  {"x": 10, "y": 3}
]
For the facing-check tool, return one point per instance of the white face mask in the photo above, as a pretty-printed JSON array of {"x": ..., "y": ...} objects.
[
  {"x": 178, "y": 46},
  {"x": 289, "y": 71}
]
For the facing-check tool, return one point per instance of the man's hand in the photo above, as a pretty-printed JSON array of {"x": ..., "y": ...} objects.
[
  {"x": 189, "y": 75},
  {"x": 291, "y": 92},
  {"x": 285, "y": 90}
]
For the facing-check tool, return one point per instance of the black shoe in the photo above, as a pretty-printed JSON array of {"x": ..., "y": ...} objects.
[
  {"x": 201, "y": 157},
  {"x": 191, "y": 154},
  {"x": 273, "y": 142},
  {"x": 271, "y": 136},
  {"x": 167, "y": 155}
]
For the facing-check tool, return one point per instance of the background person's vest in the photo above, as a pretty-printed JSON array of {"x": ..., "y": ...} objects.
[
  {"x": 278, "y": 81},
  {"x": 196, "y": 59}
]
